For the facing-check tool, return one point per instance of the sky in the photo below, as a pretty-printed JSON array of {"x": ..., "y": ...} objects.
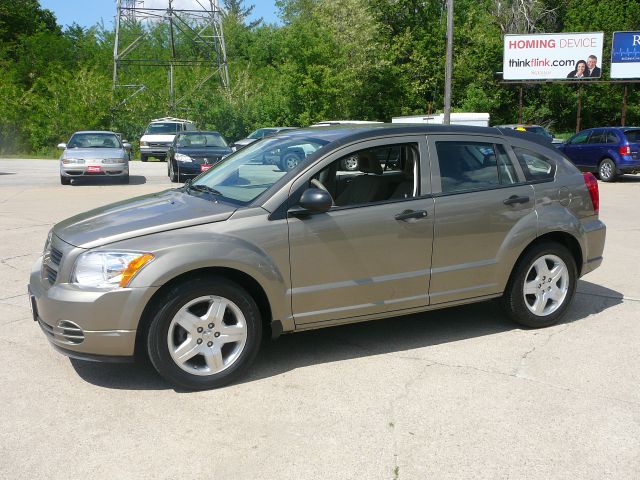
[{"x": 89, "y": 12}]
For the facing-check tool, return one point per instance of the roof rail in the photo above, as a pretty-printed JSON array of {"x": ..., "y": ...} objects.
[{"x": 170, "y": 119}]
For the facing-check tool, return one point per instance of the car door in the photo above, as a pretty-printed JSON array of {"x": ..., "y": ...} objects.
[
  {"x": 484, "y": 213},
  {"x": 575, "y": 146},
  {"x": 367, "y": 257},
  {"x": 593, "y": 150}
]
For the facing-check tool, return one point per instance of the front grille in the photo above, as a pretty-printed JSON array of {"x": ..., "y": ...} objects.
[
  {"x": 56, "y": 256},
  {"x": 158, "y": 144},
  {"x": 210, "y": 159},
  {"x": 51, "y": 274}
]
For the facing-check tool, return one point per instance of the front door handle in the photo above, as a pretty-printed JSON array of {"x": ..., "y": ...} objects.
[
  {"x": 407, "y": 214},
  {"x": 513, "y": 199}
]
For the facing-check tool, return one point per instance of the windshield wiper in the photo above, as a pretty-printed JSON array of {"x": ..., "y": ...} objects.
[{"x": 204, "y": 188}]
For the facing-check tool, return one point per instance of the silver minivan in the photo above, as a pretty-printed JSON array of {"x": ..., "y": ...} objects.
[{"x": 194, "y": 277}]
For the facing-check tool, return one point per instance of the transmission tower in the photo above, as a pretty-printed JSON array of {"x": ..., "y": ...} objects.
[{"x": 195, "y": 38}]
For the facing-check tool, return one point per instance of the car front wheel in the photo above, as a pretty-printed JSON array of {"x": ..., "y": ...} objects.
[
  {"x": 205, "y": 333},
  {"x": 65, "y": 180},
  {"x": 541, "y": 286},
  {"x": 289, "y": 161},
  {"x": 173, "y": 176}
]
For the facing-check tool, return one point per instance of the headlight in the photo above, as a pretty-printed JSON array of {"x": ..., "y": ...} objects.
[
  {"x": 72, "y": 160},
  {"x": 113, "y": 160},
  {"x": 47, "y": 244},
  {"x": 143, "y": 144},
  {"x": 108, "y": 269},
  {"x": 181, "y": 157}
]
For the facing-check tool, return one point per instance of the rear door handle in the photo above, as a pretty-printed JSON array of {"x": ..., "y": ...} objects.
[
  {"x": 513, "y": 199},
  {"x": 407, "y": 214}
]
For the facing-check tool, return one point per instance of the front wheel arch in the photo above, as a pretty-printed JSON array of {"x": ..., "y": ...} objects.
[{"x": 246, "y": 281}]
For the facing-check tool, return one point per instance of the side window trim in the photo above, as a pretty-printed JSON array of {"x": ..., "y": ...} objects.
[{"x": 548, "y": 159}]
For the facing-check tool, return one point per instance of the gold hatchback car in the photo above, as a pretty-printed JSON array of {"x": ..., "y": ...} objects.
[{"x": 432, "y": 216}]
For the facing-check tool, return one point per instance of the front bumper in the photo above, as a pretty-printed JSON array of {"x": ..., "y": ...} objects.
[
  {"x": 90, "y": 325},
  {"x": 157, "y": 150},
  {"x": 111, "y": 170}
]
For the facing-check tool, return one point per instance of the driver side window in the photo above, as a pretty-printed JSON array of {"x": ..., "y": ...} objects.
[{"x": 371, "y": 175}]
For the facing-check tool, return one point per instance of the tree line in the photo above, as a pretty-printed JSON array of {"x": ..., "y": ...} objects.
[{"x": 325, "y": 59}]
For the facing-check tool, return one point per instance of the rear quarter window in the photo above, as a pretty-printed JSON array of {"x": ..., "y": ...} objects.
[
  {"x": 633, "y": 136},
  {"x": 536, "y": 166}
]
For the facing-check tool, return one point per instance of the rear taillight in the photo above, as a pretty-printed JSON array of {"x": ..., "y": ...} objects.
[
  {"x": 624, "y": 150},
  {"x": 592, "y": 185}
]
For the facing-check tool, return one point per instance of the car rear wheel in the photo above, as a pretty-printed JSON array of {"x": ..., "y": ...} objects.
[
  {"x": 65, "y": 180},
  {"x": 204, "y": 334},
  {"x": 541, "y": 286},
  {"x": 143, "y": 158},
  {"x": 607, "y": 170},
  {"x": 350, "y": 164}
]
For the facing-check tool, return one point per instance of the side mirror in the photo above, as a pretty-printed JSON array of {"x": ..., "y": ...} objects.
[
  {"x": 316, "y": 200},
  {"x": 127, "y": 146},
  {"x": 62, "y": 146}
]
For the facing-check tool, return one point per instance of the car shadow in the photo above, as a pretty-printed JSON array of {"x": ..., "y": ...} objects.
[
  {"x": 628, "y": 179},
  {"x": 334, "y": 344},
  {"x": 84, "y": 181}
]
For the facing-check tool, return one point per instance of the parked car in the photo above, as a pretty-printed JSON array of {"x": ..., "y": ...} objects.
[
  {"x": 257, "y": 135},
  {"x": 94, "y": 153},
  {"x": 192, "y": 153},
  {"x": 609, "y": 152},
  {"x": 537, "y": 129},
  {"x": 160, "y": 134},
  {"x": 193, "y": 276}
]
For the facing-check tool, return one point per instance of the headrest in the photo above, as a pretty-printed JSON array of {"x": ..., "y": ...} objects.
[{"x": 368, "y": 163}]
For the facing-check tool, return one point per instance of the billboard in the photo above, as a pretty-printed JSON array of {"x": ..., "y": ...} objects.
[
  {"x": 553, "y": 56},
  {"x": 625, "y": 55}
]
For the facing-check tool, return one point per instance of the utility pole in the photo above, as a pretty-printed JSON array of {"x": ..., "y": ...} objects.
[{"x": 448, "y": 69}]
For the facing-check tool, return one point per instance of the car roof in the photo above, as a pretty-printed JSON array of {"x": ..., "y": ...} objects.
[
  {"x": 94, "y": 131},
  {"x": 353, "y": 132}
]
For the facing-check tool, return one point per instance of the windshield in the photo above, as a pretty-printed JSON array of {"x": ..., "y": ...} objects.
[
  {"x": 94, "y": 140},
  {"x": 201, "y": 140},
  {"x": 261, "y": 132},
  {"x": 249, "y": 172},
  {"x": 169, "y": 128}
]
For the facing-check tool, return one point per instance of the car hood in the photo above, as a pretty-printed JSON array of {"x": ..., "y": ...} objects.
[
  {"x": 94, "y": 153},
  {"x": 139, "y": 216},
  {"x": 245, "y": 141}
]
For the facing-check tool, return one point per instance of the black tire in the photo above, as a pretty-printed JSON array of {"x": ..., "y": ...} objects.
[
  {"x": 289, "y": 161},
  {"x": 607, "y": 171},
  {"x": 65, "y": 180},
  {"x": 173, "y": 176},
  {"x": 179, "y": 298},
  {"x": 143, "y": 158},
  {"x": 514, "y": 301}
]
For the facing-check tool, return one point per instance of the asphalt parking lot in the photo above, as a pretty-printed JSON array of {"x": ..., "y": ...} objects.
[{"x": 457, "y": 393}]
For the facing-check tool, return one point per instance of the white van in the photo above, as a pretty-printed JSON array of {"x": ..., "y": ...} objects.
[{"x": 159, "y": 136}]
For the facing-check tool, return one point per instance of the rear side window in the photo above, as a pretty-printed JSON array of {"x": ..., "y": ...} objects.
[
  {"x": 536, "y": 166},
  {"x": 473, "y": 166},
  {"x": 598, "y": 136},
  {"x": 612, "y": 138},
  {"x": 633, "y": 136}
]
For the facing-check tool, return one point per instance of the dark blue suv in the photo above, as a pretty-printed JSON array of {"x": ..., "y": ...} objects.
[{"x": 609, "y": 151}]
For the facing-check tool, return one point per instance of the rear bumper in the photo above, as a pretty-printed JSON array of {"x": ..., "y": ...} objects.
[{"x": 595, "y": 233}]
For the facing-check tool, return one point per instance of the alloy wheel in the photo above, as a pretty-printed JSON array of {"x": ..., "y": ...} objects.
[{"x": 546, "y": 285}]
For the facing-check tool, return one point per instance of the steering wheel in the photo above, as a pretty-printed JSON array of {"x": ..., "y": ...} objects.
[{"x": 318, "y": 184}]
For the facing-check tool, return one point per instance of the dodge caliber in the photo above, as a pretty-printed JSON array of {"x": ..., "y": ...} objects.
[{"x": 194, "y": 277}]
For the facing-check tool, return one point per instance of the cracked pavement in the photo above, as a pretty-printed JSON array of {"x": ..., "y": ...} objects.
[{"x": 456, "y": 393}]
